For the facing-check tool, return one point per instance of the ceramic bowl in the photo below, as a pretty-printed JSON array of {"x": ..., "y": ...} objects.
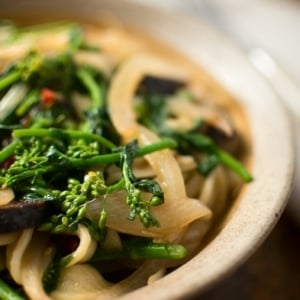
[{"x": 263, "y": 201}]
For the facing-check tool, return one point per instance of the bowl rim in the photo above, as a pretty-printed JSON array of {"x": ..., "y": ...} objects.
[{"x": 273, "y": 158}]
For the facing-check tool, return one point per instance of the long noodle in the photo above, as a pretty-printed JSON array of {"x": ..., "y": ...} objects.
[
  {"x": 35, "y": 261},
  {"x": 85, "y": 249},
  {"x": 15, "y": 253}
]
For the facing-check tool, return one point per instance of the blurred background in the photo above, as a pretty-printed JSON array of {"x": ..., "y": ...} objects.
[
  {"x": 271, "y": 24},
  {"x": 268, "y": 32}
]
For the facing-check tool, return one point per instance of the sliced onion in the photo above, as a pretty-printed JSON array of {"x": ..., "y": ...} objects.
[
  {"x": 125, "y": 83},
  {"x": 177, "y": 211}
]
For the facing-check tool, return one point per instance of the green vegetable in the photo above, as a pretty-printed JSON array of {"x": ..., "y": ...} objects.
[
  {"x": 50, "y": 153},
  {"x": 10, "y": 78},
  {"x": 62, "y": 134},
  {"x": 72, "y": 203},
  {"x": 141, "y": 248},
  {"x": 139, "y": 206},
  {"x": 51, "y": 275},
  {"x": 92, "y": 86},
  {"x": 153, "y": 112},
  {"x": 35, "y": 157},
  {"x": 215, "y": 155},
  {"x": 42, "y": 71},
  {"x": 8, "y": 293},
  {"x": 37, "y": 160},
  {"x": 30, "y": 101},
  {"x": 8, "y": 151}
]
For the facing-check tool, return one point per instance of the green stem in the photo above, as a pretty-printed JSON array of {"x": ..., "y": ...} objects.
[
  {"x": 95, "y": 160},
  {"x": 67, "y": 162},
  {"x": 227, "y": 160},
  {"x": 29, "y": 174},
  {"x": 115, "y": 157},
  {"x": 9, "y": 79},
  {"x": 139, "y": 248},
  {"x": 61, "y": 133},
  {"x": 7, "y": 293},
  {"x": 92, "y": 86},
  {"x": 31, "y": 99},
  {"x": 115, "y": 187},
  {"x": 165, "y": 143},
  {"x": 8, "y": 151},
  {"x": 207, "y": 145}
]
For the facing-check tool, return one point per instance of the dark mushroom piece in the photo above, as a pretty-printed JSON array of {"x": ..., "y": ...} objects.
[
  {"x": 228, "y": 140},
  {"x": 159, "y": 85},
  {"x": 21, "y": 215}
]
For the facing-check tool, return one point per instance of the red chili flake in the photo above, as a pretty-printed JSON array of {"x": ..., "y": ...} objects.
[
  {"x": 48, "y": 97},
  {"x": 9, "y": 162}
]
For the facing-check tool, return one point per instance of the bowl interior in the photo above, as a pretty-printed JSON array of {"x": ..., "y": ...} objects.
[{"x": 261, "y": 203}]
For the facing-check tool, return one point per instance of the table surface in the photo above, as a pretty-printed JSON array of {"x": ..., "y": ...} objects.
[{"x": 272, "y": 273}]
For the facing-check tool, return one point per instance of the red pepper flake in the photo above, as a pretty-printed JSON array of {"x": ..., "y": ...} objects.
[{"x": 48, "y": 97}]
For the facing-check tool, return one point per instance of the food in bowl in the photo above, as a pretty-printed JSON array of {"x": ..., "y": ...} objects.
[{"x": 118, "y": 157}]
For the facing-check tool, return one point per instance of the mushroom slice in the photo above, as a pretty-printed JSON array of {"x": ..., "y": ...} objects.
[
  {"x": 227, "y": 139},
  {"x": 160, "y": 85},
  {"x": 18, "y": 215}
]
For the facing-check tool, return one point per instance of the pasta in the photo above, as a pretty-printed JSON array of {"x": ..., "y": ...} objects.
[{"x": 118, "y": 158}]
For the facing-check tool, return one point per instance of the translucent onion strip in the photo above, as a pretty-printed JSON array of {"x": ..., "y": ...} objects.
[
  {"x": 12, "y": 99},
  {"x": 124, "y": 84}
]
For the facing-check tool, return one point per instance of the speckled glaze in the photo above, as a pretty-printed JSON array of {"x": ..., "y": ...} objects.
[{"x": 263, "y": 201}]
